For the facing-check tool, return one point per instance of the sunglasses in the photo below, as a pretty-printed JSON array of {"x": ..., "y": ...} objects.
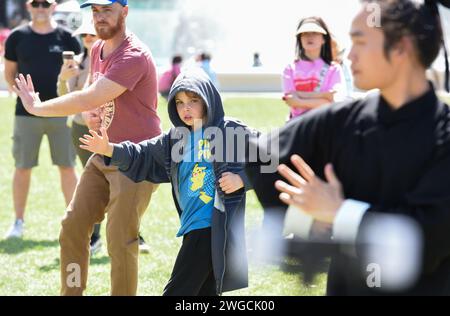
[
  {"x": 37, "y": 4},
  {"x": 86, "y": 35}
]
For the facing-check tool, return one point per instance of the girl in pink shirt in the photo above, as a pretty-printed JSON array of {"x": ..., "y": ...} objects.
[{"x": 313, "y": 79}]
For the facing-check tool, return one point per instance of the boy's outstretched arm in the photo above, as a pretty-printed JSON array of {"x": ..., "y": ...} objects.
[{"x": 139, "y": 162}]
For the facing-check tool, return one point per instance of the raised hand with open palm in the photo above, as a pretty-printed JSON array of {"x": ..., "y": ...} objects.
[{"x": 98, "y": 144}]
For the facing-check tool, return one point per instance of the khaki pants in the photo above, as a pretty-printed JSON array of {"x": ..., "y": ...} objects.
[{"x": 102, "y": 190}]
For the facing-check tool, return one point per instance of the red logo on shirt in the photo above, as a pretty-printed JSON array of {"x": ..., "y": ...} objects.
[{"x": 307, "y": 84}]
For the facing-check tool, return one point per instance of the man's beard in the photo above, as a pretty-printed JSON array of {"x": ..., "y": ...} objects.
[{"x": 107, "y": 32}]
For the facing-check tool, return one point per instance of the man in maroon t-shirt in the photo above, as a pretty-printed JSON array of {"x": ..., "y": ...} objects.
[{"x": 123, "y": 98}]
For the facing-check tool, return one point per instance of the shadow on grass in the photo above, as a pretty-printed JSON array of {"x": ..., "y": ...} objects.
[
  {"x": 50, "y": 267},
  {"x": 15, "y": 246},
  {"x": 307, "y": 259},
  {"x": 306, "y": 269},
  {"x": 56, "y": 263}
]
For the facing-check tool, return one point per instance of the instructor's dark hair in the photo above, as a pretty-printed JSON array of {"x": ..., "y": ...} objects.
[{"x": 420, "y": 20}]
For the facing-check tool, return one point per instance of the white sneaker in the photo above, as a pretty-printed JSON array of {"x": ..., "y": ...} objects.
[{"x": 16, "y": 230}]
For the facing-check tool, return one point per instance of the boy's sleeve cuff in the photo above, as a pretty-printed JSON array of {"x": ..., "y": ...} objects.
[
  {"x": 298, "y": 223},
  {"x": 348, "y": 220},
  {"x": 117, "y": 156},
  {"x": 247, "y": 184}
]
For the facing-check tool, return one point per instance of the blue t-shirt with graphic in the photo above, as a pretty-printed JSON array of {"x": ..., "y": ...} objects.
[{"x": 196, "y": 182}]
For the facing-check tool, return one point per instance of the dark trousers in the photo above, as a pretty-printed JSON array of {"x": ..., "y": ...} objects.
[
  {"x": 79, "y": 131},
  {"x": 193, "y": 273}
]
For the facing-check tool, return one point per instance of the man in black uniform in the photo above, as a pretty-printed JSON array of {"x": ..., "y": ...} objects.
[
  {"x": 36, "y": 49},
  {"x": 386, "y": 154}
]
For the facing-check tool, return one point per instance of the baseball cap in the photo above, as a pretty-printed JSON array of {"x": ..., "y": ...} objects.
[
  {"x": 311, "y": 26},
  {"x": 103, "y": 2},
  {"x": 87, "y": 27}
]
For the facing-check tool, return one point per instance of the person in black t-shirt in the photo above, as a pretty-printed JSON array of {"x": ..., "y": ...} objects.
[{"x": 36, "y": 49}]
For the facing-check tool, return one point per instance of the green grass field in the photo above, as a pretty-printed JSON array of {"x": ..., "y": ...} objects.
[{"x": 31, "y": 266}]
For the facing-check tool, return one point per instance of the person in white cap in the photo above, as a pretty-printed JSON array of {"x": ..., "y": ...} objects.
[
  {"x": 72, "y": 77},
  {"x": 313, "y": 79}
]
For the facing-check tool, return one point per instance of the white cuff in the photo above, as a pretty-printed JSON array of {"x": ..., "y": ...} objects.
[
  {"x": 297, "y": 222},
  {"x": 347, "y": 221}
]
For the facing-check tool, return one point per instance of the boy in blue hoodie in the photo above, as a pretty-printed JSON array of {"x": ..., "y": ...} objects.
[{"x": 209, "y": 192}]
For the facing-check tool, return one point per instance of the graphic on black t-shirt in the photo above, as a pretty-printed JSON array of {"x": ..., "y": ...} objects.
[{"x": 55, "y": 49}]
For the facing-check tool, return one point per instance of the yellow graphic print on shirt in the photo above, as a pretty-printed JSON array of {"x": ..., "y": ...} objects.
[
  {"x": 197, "y": 179},
  {"x": 204, "y": 151}
]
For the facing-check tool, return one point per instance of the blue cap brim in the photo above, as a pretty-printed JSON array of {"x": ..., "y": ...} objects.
[{"x": 97, "y": 2}]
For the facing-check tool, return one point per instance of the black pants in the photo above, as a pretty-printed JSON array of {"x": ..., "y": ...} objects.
[
  {"x": 193, "y": 274},
  {"x": 78, "y": 131}
]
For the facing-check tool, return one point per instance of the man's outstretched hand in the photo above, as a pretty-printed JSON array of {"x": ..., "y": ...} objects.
[
  {"x": 24, "y": 88},
  {"x": 98, "y": 144}
]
